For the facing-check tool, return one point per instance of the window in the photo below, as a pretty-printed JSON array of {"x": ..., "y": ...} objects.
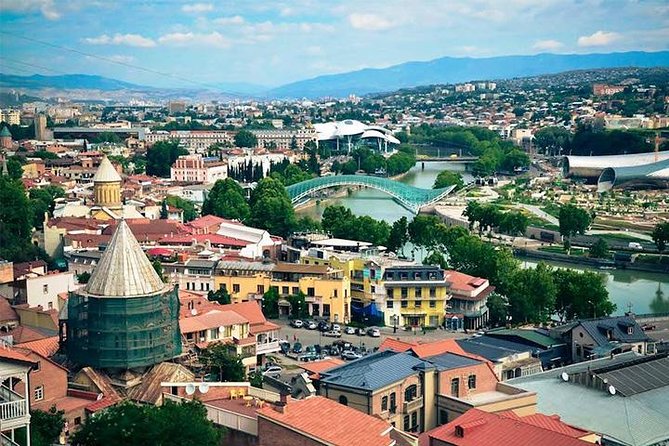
[
  {"x": 260, "y": 289},
  {"x": 390, "y": 293},
  {"x": 410, "y": 393},
  {"x": 414, "y": 420},
  {"x": 418, "y": 292},
  {"x": 393, "y": 402},
  {"x": 296, "y": 290},
  {"x": 284, "y": 290},
  {"x": 235, "y": 288},
  {"x": 455, "y": 387},
  {"x": 343, "y": 400},
  {"x": 433, "y": 304},
  {"x": 418, "y": 303},
  {"x": 39, "y": 393},
  {"x": 45, "y": 289},
  {"x": 77, "y": 421},
  {"x": 373, "y": 288},
  {"x": 433, "y": 292},
  {"x": 630, "y": 330},
  {"x": 404, "y": 292},
  {"x": 407, "y": 423},
  {"x": 389, "y": 304},
  {"x": 213, "y": 333},
  {"x": 443, "y": 416},
  {"x": 405, "y": 304},
  {"x": 311, "y": 292},
  {"x": 336, "y": 294},
  {"x": 50, "y": 305},
  {"x": 384, "y": 403},
  {"x": 38, "y": 366},
  {"x": 471, "y": 382}
]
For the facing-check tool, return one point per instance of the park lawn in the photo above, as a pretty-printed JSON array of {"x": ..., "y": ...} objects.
[
  {"x": 577, "y": 252},
  {"x": 620, "y": 237}
]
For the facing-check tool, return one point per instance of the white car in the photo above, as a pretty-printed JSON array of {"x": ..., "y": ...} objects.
[
  {"x": 332, "y": 334},
  {"x": 311, "y": 325},
  {"x": 349, "y": 330},
  {"x": 296, "y": 323},
  {"x": 336, "y": 327},
  {"x": 350, "y": 355},
  {"x": 374, "y": 332},
  {"x": 273, "y": 371}
]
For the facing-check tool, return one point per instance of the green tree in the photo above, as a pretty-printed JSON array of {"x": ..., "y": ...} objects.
[
  {"x": 498, "y": 309},
  {"x": 245, "y": 138},
  {"x": 436, "y": 258},
  {"x": 84, "y": 277},
  {"x": 307, "y": 224},
  {"x": 421, "y": 230},
  {"x": 573, "y": 220},
  {"x": 158, "y": 268},
  {"x": 43, "y": 200},
  {"x": 399, "y": 234},
  {"x": 600, "y": 249},
  {"x": 660, "y": 235},
  {"x": 227, "y": 200},
  {"x": 552, "y": 140},
  {"x": 532, "y": 294},
  {"x": 255, "y": 379},
  {"x": 185, "y": 205},
  {"x": 581, "y": 294},
  {"x": 513, "y": 223},
  {"x": 473, "y": 212},
  {"x": 222, "y": 362},
  {"x": 298, "y": 305},
  {"x": 161, "y": 156},
  {"x": 270, "y": 303},
  {"x": 448, "y": 178},
  {"x": 271, "y": 208},
  {"x": 163, "y": 210},
  {"x": 45, "y": 427},
  {"x": 184, "y": 423},
  {"x": 15, "y": 167},
  {"x": 221, "y": 296},
  {"x": 16, "y": 222},
  {"x": 349, "y": 167},
  {"x": 515, "y": 159}
]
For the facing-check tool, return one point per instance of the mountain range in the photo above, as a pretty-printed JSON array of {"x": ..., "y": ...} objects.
[{"x": 445, "y": 70}]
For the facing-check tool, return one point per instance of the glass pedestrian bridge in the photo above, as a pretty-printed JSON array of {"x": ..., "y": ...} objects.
[{"x": 410, "y": 197}]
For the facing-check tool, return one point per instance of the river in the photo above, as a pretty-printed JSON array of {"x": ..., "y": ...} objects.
[{"x": 625, "y": 287}]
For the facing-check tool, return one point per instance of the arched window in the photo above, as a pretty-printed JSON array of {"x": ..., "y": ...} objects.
[
  {"x": 384, "y": 403},
  {"x": 343, "y": 400},
  {"x": 455, "y": 387},
  {"x": 410, "y": 393}
]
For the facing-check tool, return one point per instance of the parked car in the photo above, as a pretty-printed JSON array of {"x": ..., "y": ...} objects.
[
  {"x": 296, "y": 323},
  {"x": 648, "y": 327},
  {"x": 350, "y": 355},
  {"x": 310, "y": 325},
  {"x": 297, "y": 347},
  {"x": 312, "y": 356},
  {"x": 360, "y": 331},
  {"x": 273, "y": 371},
  {"x": 374, "y": 332},
  {"x": 323, "y": 326},
  {"x": 349, "y": 330},
  {"x": 335, "y": 327},
  {"x": 284, "y": 346},
  {"x": 333, "y": 334}
]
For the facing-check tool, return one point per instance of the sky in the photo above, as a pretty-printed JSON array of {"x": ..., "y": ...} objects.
[{"x": 179, "y": 43}]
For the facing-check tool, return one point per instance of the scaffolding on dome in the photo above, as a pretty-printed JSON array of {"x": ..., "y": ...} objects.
[
  {"x": 123, "y": 333},
  {"x": 412, "y": 198}
]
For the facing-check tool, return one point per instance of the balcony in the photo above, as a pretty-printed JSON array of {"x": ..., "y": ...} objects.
[
  {"x": 410, "y": 406},
  {"x": 12, "y": 405},
  {"x": 6, "y": 441},
  {"x": 267, "y": 347},
  {"x": 476, "y": 313}
]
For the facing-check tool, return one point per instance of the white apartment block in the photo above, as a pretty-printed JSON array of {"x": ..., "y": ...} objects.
[{"x": 197, "y": 169}]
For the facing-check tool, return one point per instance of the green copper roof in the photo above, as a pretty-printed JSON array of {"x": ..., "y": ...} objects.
[
  {"x": 5, "y": 132},
  {"x": 528, "y": 335}
]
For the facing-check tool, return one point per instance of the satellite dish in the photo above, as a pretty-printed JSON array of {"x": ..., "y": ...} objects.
[
  {"x": 193, "y": 312},
  {"x": 221, "y": 329},
  {"x": 564, "y": 376},
  {"x": 612, "y": 390},
  {"x": 190, "y": 389},
  {"x": 204, "y": 388}
]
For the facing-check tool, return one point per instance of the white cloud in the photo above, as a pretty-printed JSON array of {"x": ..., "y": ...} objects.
[
  {"x": 234, "y": 20},
  {"x": 547, "y": 45},
  {"x": 314, "y": 50},
  {"x": 46, "y": 7},
  {"x": 197, "y": 8},
  {"x": 600, "y": 38},
  {"x": 121, "y": 58},
  {"x": 369, "y": 22},
  {"x": 121, "y": 39},
  {"x": 181, "y": 39}
]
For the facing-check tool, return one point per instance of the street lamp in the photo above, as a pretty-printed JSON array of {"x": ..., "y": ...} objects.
[{"x": 395, "y": 320}]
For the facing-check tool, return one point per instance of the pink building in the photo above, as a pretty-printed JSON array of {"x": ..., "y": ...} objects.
[{"x": 198, "y": 169}]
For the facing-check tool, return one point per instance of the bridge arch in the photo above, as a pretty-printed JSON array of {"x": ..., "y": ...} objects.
[{"x": 412, "y": 198}]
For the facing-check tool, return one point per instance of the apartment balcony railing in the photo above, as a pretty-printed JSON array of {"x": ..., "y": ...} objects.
[
  {"x": 476, "y": 313},
  {"x": 410, "y": 406},
  {"x": 267, "y": 347},
  {"x": 10, "y": 410},
  {"x": 6, "y": 441}
]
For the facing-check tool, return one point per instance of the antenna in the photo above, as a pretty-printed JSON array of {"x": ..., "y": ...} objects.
[
  {"x": 612, "y": 390},
  {"x": 190, "y": 389},
  {"x": 564, "y": 376}
]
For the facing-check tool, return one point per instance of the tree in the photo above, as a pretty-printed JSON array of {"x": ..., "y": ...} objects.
[
  {"x": 158, "y": 268},
  {"x": 227, "y": 200},
  {"x": 307, "y": 224},
  {"x": 298, "y": 305},
  {"x": 14, "y": 167},
  {"x": 255, "y": 379},
  {"x": 184, "y": 423},
  {"x": 271, "y": 208},
  {"x": 513, "y": 223},
  {"x": 349, "y": 167},
  {"x": 221, "y": 296},
  {"x": 532, "y": 294},
  {"x": 498, "y": 309},
  {"x": 16, "y": 222},
  {"x": 473, "y": 212},
  {"x": 600, "y": 249},
  {"x": 436, "y": 258},
  {"x": 581, "y": 294},
  {"x": 161, "y": 156},
  {"x": 399, "y": 234},
  {"x": 421, "y": 230},
  {"x": 552, "y": 140},
  {"x": 573, "y": 220},
  {"x": 515, "y": 159},
  {"x": 163, "y": 210},
  {"x": 270, "y": 303},
  {"x": 45, "y": 427},
  {"x": 185, "y": 205},
  {"x": 84, "y": 277},
  {"x": 448, "y": 178},
  {"x": 245, "y": 138},
  {"x": 221, "y": 361},
  {"x": 660, "y": 235},
  {"x": 43, "y": 200}
]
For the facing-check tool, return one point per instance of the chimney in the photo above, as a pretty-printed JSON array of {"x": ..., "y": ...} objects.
[{"x": 282, "y": 404}]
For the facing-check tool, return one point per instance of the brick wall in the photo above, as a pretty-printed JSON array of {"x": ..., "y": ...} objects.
[
  {"x": 486, "y": 380},
  {"x": 272, "y": 434}
]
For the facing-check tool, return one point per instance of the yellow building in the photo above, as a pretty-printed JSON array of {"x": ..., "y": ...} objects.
[
  {"x": 327, "y": 291},
  {"x": 415, "y": 296},
  {"x": 107, "y": 186}
]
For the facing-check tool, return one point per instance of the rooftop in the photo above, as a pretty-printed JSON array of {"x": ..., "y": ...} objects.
[
  {"x": 315, "y": 416},
  {"x": 106, "y": 173}
]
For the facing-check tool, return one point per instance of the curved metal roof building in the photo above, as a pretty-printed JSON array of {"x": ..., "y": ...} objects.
[
  {"x": 350, "y": 129},
  {"x": 647, "y": 175},
  {"x": 592, "y": 166}
]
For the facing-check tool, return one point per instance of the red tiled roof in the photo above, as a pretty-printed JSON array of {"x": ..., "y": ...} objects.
[
  {"x": 103, "y": 403},
  {"x": 463, "y": 282},
  {"x": 213, "y": 319},
  {"x": 21, "y": 269},
  {"x": 206, "y": 221},
  {"x": 7, "y": 313},
  {"x": 14, "y": 355},
  {"x": 550, "y": 422},
  {"x": 437, "y": 348},
  {"x": 46, "y": 347},
  {"x": 23, "y": 334},
  {"x": 316, "y": 367},
  {"x": 250, "y": 310},
  {"x": 476, "y": 427},
  {"x": 317, "y": 417},
  {"x": 396, "y": 345}
]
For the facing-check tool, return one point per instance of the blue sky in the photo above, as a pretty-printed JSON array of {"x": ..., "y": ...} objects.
[{"x": 275, "y": 42}]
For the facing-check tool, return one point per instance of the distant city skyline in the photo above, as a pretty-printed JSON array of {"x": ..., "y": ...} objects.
[{"x": 270, "y": 43}]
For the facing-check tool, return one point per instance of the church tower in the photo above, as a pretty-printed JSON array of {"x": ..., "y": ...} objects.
[
  {"x": 125, "y": 317},
  {"x": 107, "y": 186}
]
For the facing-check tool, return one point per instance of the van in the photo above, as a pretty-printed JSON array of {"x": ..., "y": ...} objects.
[{"x": 635, "y": 245}]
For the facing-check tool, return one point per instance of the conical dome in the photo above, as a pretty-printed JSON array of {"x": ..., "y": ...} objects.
[
  {"x": 106, "y": 173},
  {"x": 124, "y": 270}
]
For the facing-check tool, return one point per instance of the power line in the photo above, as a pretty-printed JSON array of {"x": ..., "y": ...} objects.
[
  {"x": 121, "y": 63},
  {"x": 14, "y": 61}
]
